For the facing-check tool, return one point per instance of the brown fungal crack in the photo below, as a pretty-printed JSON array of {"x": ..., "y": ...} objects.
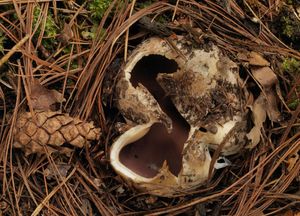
[{"x": 146, "y": 156}]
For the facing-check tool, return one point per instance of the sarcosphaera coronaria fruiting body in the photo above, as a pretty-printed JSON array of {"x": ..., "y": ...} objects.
[{"x": 180, "y": 102}]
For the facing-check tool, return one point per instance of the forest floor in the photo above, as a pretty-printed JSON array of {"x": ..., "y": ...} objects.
[{"x": 66, "y": 55}]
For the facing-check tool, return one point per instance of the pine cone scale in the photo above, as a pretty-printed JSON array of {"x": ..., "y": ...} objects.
[{"x": 52, "y": 130}]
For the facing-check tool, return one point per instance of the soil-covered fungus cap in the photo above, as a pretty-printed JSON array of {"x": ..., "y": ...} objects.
[{"x": 180, "y": 101}]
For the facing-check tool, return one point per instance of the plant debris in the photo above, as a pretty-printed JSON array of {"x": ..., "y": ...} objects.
[
  {"x": 82, "y": 61},
  {"x": 56, "y": 170},
  {"x": 259, "y": 117},
  {"x": 42, "y": 98},
  {"x": 267, "y": 79},
  {"x": 253, "y": 58}
]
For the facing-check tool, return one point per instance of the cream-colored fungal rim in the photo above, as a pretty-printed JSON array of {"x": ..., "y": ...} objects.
[{"x": 130, "y": 136}]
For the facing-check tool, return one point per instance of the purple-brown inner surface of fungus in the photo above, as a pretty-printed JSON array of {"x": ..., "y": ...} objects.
[{"x": 146, "y": 156}]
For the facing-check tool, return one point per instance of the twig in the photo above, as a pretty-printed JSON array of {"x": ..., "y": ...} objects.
[
  {"x": 13, "y": 50},
  {"x": 127, "y": 32}
]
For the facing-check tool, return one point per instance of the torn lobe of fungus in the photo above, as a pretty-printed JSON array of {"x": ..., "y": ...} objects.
[{"x": 147, "y": 155}]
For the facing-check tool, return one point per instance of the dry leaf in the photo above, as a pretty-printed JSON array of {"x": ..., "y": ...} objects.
[
  {"x": 265, "y": 105},
  {"x": 51, "y": 130},
  {"x": 271, "y": 106},
  {"x": 51, "y": 172},
  {"x": 267, "y": 79},
  {"x": 253, "y": 58},
  {"x": 242, "y": 56},
  {"x": 265, "y": 76},
  {"x": 43, "y": 98},
  {"x": 67, "y": 34},
  {"x": 257, "y": 60},
  {"x": 250, "y": 99},
  {"x": 259, "y": 117}
]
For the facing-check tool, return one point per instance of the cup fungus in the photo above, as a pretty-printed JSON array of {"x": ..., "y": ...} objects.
[{"x": 180, "y": 102}]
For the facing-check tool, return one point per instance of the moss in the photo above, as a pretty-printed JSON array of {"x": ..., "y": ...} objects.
[
  {"x": 88, "y": 35},
  {"x": 290, "y": 24},
  {"x": 91, "y": 33},
  {"x": 294, "y": 104},
  {"x": 2, "y": 40},
  {"x": 291, "y": 65},
  {"x": 67, "y": 49},
  {"x": 144, "y": 4},
  {"x": 287, "y": 26},
  {"x": 50, "y": 26},
  {"x": 51, "y": 30},
  {"x": 98, "y": 7}
]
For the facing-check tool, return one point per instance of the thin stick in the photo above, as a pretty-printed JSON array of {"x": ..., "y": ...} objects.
[
  {"x": 127, "y": 32},
  {"x": 13, "y": 50},
  {"x": 175, "y": 10}
]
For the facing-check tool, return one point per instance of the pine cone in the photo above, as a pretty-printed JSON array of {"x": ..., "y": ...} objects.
[{"x": 52, "y": 130}]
